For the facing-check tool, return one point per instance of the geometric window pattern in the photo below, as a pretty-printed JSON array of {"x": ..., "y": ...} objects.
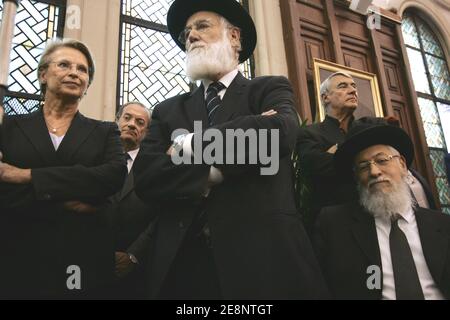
[
  {"x": 151, "y": 67},
  {"x": 36, "y": 22},
  {"x": 431, "y": 79}
]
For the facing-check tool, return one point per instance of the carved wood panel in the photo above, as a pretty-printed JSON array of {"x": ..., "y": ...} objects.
[{"x": 329, "y": 30}]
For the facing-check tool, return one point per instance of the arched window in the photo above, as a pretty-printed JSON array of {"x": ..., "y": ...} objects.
[
  {"x": 431, "y": 79},
  {"x": 151, "y": 66}
]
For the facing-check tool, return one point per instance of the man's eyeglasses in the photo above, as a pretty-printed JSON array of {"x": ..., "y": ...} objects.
[
  {"x": 64, "y": 65},
  {"x": 201, "y": 26},
  {"x": 380, "y": 161}
]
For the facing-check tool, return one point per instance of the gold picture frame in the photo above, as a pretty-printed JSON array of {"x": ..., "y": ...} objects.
[{"x": 369, "y": 99}]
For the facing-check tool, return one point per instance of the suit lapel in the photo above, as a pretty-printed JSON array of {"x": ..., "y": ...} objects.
[
  {"x": 229, "y": 105},
  {"x": 195, "y": 109},
  {"x": 434, "y": 242},
  {"x": 36, "y": 131},
  {"x": 365, "y": 233},
  {"x": 79, "y": 131}
]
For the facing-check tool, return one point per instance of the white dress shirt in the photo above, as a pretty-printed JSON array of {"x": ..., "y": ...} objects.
[
  {"x": 56, "y": 140},
  {"x": 215, "y": 175},
  {"x": 133, "y": 155},
  {"x": 409, "y": 227}
]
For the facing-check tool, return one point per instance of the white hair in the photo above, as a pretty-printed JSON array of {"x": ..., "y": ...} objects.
[
  {"x": 206, "y": 62},
  {"x": 387, "y": 205}
]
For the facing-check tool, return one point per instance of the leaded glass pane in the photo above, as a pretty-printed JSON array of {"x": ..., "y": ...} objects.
[
  {"x": 437, "y": 158},
  {"x": 444, "y": 114},
  {"x": 431, "y": 122},
  {"x": 409, "y": 32},
  {"x": 15, "y": 106},
  {"x": 440, "y": 76},
  {"x": 150, "y": 10},
  {"x": 35, "y": 24},
  {"x": 429, "y": 42},
  {"x": 152, "y": 66},
  {"x": 446, "y": 210},
  {"x": 418, "y": 71}
]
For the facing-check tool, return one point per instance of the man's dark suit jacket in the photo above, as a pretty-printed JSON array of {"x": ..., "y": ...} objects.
[
  {"x": 346, "y": 243},
  {"x": 259, "y": 244},
  {"x": 40, "y": 238},
  {"x": 133, "y": 223},
  {"x": 316, "y": 165},
  {"x": 426, "y": 188}
]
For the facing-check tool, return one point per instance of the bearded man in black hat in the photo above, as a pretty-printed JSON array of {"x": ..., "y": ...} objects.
[
  {"x": 225, "y": 230},
  {"x": 384, "y": 246}
]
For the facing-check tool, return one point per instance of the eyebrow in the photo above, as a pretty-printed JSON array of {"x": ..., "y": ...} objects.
[
  {"x": 379, "y": 153},
  {"x": 347, "y": 83},
  {"x": 198, "y": 21}
]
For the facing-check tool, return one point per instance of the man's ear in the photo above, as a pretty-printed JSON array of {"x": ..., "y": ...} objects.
[
  {"x": 403, "y": 163},
  {"x": 235, "y": 37}
]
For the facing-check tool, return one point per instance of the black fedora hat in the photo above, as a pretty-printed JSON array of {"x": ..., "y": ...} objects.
[
  {"x": 365, "y": 133},
  {"x": 181, "y": 10}
]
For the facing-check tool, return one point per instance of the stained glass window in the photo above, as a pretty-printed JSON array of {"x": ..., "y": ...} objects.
[
  {"x": 431, "y": 79},
  {"x": 36, "y": 23},
  {"x": 151, "y": 65}
]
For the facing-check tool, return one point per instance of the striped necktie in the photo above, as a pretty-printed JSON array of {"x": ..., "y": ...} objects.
[{"x": 213, "y": 100}]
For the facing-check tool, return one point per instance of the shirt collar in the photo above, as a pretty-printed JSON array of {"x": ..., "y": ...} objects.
[
  {"x": 408, "y": 215},
  {"x": 133, "y": 154},
  {"x": 226, "y": 80}
]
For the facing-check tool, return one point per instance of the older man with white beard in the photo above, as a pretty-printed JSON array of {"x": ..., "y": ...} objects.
[
  {"x": 225, "y": 230},
  {"x": 384, "y": 246}
]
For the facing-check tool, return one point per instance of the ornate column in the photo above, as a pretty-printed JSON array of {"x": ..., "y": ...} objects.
[
  {"x": 96, "y": 23},
  {"x": 270, "y": 54}
]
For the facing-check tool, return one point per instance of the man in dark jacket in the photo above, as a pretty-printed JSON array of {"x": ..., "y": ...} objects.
[
  {"x": 317, "y": 143},
  {"x": 382, "y": 247},
  {"x": 227, "y": 229}
]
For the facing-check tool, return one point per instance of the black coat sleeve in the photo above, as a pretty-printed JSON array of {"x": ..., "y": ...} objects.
[
  {"x": 80, "y": 182},
  {"x": 157, "y": 177},
  {"x": 314, "y": 158}
]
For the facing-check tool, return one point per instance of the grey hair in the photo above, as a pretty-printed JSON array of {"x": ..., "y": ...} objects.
[
  {"x": 325, "y": 85},
  {"x": 122, "y": 108},
  {"x": 229, "y": 25},
  {"x": 56, "y": 44}
]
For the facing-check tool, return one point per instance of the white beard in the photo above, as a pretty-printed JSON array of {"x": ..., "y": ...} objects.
[
  {"x": 209, "y": 60},
  {"x": 387, "y": 205}
]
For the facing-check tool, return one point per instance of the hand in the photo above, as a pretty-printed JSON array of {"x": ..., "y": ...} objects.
[
  {"x": 124, "y": 265},
  {"x": 11, "y": 174},
  {"x": 271, "y": 112},
  {"x": 333, "y": 149},
  {"x": 79, "y": 207}
]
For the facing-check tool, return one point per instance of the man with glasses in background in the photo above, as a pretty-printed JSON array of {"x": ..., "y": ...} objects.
[{"x": 384, "y": 246}]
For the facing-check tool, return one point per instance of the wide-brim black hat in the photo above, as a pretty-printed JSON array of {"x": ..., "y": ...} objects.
[
  {"x": 363, "y": 135},
  {"x": 181, "y": 10}
]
